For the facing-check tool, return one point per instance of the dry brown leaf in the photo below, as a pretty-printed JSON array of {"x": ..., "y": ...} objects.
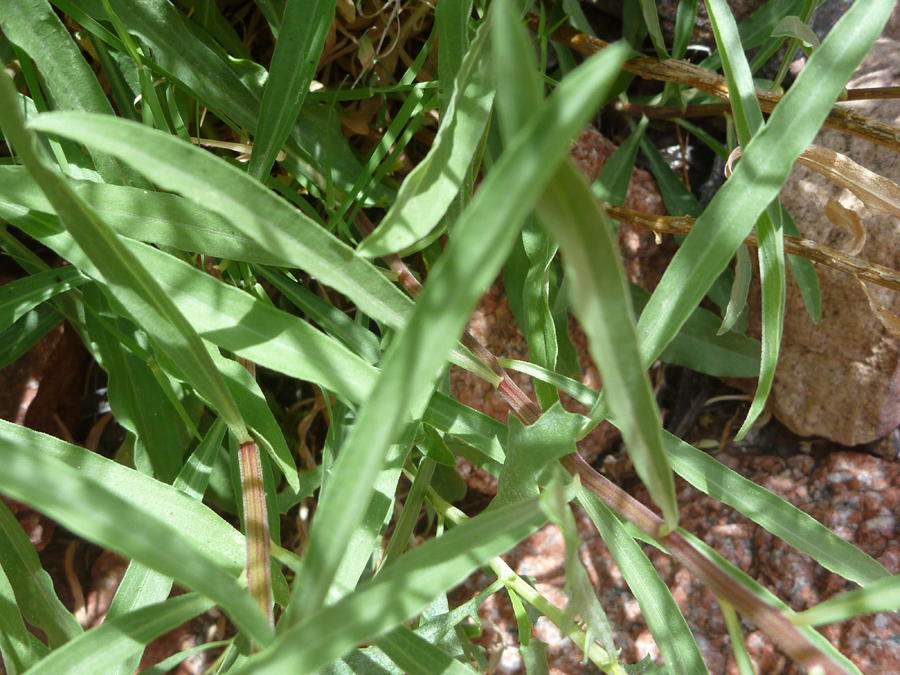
[
  {"x": 888, "y": 319},
  {"x": 841, "y": 216},
  {"x": 879, "y": 194}
]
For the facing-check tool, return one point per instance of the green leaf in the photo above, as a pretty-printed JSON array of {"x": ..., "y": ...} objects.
[
  {"x": 761, "y": 506},
  {"x": 658, "y": 607},
  {"x": 24, "y": 333},
  {"x": 33, "y": 588},
  {"x": 241, "y": 323},
  {"x": 136, "y": 397},
  {"x": 882, "y": 595},
  {"x": 772, "y": 284},
  {"x": 188, "y": 56},
  {"x": 737, "y": 304},
  {"x": 115, "y": 640},
  {"x": 758, "y": 30},
  {"x": 592, "y": 260},
  {"x": 122, "y": 510},
  {"x": 452, "y": 21},
  {"x": 472, "y": 427},
  {"x": 158, "y": 218},
  {"x": 417, "y": 656},
  {"x": 685, "y": 19},
  {"x": 300, "y": 42},
  {"x": 814, "y": 636},
  {"x": 122, "y": 271},
  {"x": 615, "y": 176},
  {"x": 532, "y": 449},
  {"x": 765, "y": 165},
  {"x": 482, "y": 239},
  {"x": 803, "y": 271},
  {"x": 32, "y": 25},
  {"x": 748, "y": 120},
  {"x": 357, "y": 338},
  {"x": 15, "y": 645},
  {"x": 429, "y": 189},
  {"x": 540, "y": 329},
  {"x": 699, "y": 346},
  {"x": 376, "y": 607},
  {"x": 141, "y": 586},
  {"x": 19, "y": 297},
  {"x": 251, "y": 208},
  {"x": 651, "y": 20},
  {"x": 793, "y": 27}
]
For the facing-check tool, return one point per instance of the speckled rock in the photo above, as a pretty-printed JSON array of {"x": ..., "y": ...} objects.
[
  {"x": 840, "y": 379},
  {"x": 855, "y": 495}
]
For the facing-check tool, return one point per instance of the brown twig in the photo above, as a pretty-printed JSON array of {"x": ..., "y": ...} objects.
[
  {"x": 672, "y": 112},
  {"x": 683, "y": 72},
  {"x": 770, "y": 620},
  {"x": 805, "y": 248}
]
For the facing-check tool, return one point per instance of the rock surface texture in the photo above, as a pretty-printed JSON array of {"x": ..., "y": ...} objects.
[
  {"x": 840, "y": 379},
  {"x": 855, "y": 495}
]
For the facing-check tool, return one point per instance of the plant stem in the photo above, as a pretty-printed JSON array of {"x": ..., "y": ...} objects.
[
  {"x": 690, "y": 75},
  {"x": 770, "y": 620},
  {"x": 805, "y": 248},
  {"x": 256, "y": 527}
]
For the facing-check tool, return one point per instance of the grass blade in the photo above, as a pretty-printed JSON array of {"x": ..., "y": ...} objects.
[
  {"x": 772, "y": 513},
  {"x": 93, "y": 510},
  {"x": 32, "y": 25},
  {"x": 19, "y": 297},
  {"x": 300, "y": 41},
  {"x": 123, "y": 272},
  {"x": 417, "y": 656},
  {"x": 251, "y": 208},
  {"x": 755, "y": 183},
  {"x": 376, "y": 607},
  {"x": 664, "y": 618},
  {"x": 428, "y": 191},
  {"x": 115, "y": 640},
  {"x": 482, "y": 239},
  {"x": 32, "y": 586},
  {"x": 571, "y": 214},
  {"x": 879, "y": 596},
  {"x": 748, "y": 120},
  {"x": 15, "y": 644}
]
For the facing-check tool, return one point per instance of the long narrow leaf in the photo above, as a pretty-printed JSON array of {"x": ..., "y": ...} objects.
[
  {"x": 376, "y": 606},
  {"x": 33, "y": 587},
  {"x": 15, "y": 646},
  {"x": 430, "y": 188},
  {"x": 664, "y": 618},
  {"x": 300, "y": 41},
  {"x": 755, "y": 183},
  {"x": 748, "y": 120},
  {"x": 113, "y": 641},
  {"x": 251, "y": 208},
  {"x": 34, "y": 26},
  {"x": 766, "y": 509},
  {"x": 482, "y": 240},
  {"x": 19, "y": 297},
  {"x": 569, "y": 211},
  {"x": 90, "y": 508},
  {"x": 126, "y": 277}
]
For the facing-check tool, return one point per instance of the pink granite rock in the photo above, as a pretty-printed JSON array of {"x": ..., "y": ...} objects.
[
  {"x": 840, "y": 379},
  {"x": 855, "y": 495}
]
